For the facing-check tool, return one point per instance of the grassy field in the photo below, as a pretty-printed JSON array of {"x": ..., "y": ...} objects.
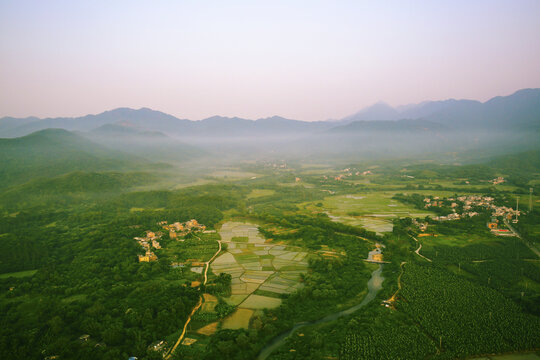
[
  {"x": 233, "y": 174},
  {"x": 373, "y": 211},
  {"x": 197, "y": 182},
  {"x": 371, "y": 204},
  {"x": 200, "y": 250},
  {"x": 19, "y": 274},
  {"x": 455, "y": 240},
  {"x": 238, "y": 320},
  {"x": 256, "y": 193},
  {"x": 472, "y": 188}
]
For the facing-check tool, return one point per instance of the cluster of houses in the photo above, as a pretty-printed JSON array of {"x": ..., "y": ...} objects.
[
  {"x": 348, "y": 172},
  {"x": 280, "y": 164},
  {"x": 470, "y": 201},
  {"x": 498, "y": 180},
  {"x": 506, "y": 212},
  {"x": 420, "y": 225},
  {"x": 149, "y": 242},
  {"x": 454, "y": 216},
  {"x": 181, "y": 229},
  {"x": 467, "y": 202},
  {"x": 487, "y": 203}
]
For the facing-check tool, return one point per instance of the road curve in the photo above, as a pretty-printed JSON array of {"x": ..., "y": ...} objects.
[{"x": 417, "y": 251}]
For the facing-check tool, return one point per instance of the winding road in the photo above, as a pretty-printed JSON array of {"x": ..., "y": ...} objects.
[
  {"x": 417, "y": 251},
  {"x": 179, "y": 341},
  {"x": 393, "y": 298}
]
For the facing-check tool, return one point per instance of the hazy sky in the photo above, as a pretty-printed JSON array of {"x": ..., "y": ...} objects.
[{"x": 307, "y": 60}]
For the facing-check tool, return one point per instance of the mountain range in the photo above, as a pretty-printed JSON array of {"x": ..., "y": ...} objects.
[{"x": 517, "y": 112}]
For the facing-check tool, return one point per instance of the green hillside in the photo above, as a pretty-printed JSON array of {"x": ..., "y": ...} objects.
[
  {"x": 71, "y": 187},
  {"x": 525, "y": 161},
  {"x": 80, "y": 181},
  {"x": 54, "y": 152}
]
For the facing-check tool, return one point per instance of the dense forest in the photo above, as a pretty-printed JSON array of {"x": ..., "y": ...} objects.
[{"x": 88, "y": 280}]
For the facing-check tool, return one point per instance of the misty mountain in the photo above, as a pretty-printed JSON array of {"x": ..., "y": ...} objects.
[
  {"x": 141, "y": 119},
  {"x": 151, "y": 145},
  {"x": 9, "y": 123},
  {"x": 234, "y": 127},
  {"x": 405, "y": 125},
  {"x": 147, "y": 120},
  {"x": 519, "y": 111},
  {"x": 125, "y": 130},
  {"x": 427, "y": 108},
  {"x": 54, "y": 152},
  {"x": 379, "y": 111}
]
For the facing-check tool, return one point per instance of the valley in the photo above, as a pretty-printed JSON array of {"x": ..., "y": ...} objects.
[
  {"x": 270, "y": 180},
  {"x": 112, "y": 253}
]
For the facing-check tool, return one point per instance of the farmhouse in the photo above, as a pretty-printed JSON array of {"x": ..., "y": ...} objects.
[
  {"x": 147, "y": 257},
  {"x": 377, "y": 257}
]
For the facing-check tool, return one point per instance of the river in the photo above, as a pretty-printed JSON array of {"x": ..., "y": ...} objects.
[{"x": 374, "y": 285}]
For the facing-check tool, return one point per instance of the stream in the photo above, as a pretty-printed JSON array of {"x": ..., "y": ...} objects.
[{"x": 374, "y": 285}]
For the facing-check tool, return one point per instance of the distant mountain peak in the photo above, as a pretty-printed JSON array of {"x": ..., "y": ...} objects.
[{"x": 377, "y": 111}]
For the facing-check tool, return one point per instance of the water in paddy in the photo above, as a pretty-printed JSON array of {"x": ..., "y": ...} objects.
[{"x": 374, "y": 286}]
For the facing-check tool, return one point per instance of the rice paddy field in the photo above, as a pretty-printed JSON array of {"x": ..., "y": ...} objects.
[
  {"x": 209, "y": 304},
  {"x": 261, "y": 271}
]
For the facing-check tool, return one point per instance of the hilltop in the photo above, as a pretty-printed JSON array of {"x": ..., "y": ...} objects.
[{"x": 52, "y": 152}]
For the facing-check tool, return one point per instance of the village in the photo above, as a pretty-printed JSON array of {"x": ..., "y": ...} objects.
[
  {"x": 349, "y": 173},
  {"x": 176, "y": 231},
  {"x": 468, "y": 204}
]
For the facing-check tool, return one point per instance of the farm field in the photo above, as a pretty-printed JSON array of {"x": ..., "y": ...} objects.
[
  {"x": 373, "y": 211},
  {"x": 238, "y": 320},
  {"x": 255, "y": 264}
]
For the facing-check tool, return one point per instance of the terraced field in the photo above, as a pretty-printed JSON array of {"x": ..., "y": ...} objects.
[{"x": 257, "y": 266}]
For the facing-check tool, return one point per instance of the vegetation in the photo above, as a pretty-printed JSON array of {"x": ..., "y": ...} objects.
[{"x": 71, "y": 284}]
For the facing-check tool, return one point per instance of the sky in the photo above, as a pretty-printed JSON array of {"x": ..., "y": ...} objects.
[{"x": 304, "y": 60}]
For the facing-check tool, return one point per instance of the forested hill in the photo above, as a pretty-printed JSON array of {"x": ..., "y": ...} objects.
[
  {"x": 525, "y": 161},
  {"x": 68, "y": 188},
  {"x": 53, "y": 152}
]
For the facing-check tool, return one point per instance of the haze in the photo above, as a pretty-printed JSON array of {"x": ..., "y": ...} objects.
[{"x": 305, "y": 60}]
